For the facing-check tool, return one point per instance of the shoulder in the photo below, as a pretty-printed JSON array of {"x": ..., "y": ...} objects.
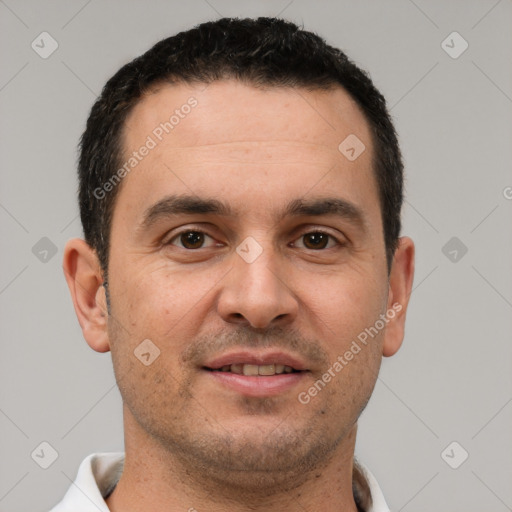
[
  {"x": 366, "y": 489},
  {"x": 97, "y": 474}
]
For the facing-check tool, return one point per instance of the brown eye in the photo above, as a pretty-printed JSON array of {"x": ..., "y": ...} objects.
[
  {"x": 315, "y": 240},
  {"x": 192, "y": 239}
]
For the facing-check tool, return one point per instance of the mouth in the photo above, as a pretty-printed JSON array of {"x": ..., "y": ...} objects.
[
  {"x": 247, "y": 369},
  {"x": 257, "y": 375}
]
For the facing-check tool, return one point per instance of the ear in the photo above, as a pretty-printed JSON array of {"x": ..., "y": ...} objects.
[
  {"x": 85, "y": 281},
  {"x": 400, "y": 287}
]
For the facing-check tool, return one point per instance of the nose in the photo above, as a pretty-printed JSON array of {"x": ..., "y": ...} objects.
[{"x": 257, "y": 294}]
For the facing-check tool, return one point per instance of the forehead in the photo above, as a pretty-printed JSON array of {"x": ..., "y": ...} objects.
[
  {"x": 227, "y": 111},
  {"x": 206, "y": 137}
]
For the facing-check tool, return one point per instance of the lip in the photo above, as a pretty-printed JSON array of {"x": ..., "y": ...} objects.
[
  {"x": 259, "y": 358},
  {"x": 257, "y": 386},
  {"x": 261, "y": 386}
]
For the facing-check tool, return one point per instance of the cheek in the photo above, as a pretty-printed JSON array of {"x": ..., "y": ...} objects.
[
  {"x": 345, "y": 308},
  {"x": 163, "y": 305},
  {"x": 346, "y": 304}
]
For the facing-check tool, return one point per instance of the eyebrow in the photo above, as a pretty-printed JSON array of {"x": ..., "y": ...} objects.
[
  {"x": 183, "y": 205},
  {"x": 327, "y": 206},
  {"x": 173, "y": 205}
]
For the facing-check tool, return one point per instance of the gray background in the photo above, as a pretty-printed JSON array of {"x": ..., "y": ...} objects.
[{"x": 451, "y": 381}]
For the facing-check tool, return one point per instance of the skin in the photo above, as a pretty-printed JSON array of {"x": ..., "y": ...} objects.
[{"x": 190, "y": 442}]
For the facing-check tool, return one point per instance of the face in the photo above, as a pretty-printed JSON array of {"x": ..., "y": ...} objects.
[{"x": 245, "y": 243}]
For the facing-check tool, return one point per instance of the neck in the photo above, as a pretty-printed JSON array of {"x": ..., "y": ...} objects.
[{"x": 158, "y": 479}]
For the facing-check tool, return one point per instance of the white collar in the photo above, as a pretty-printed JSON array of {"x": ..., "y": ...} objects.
[{"x": 99, "y": 473}]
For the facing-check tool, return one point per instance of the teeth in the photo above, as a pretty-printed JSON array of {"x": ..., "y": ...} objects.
[
  {"x": 251, "y": 369},
  {"x": 266, "y": 369},
  {"x": 237, "y": 368},
  {"x": 255, "y": 369}
]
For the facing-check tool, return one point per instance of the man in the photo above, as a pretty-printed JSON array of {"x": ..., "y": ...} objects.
[{"x": 240, "y": 193}]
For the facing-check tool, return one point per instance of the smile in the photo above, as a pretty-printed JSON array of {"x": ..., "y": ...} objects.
[
  {"x": 257, "y": 375},
  {"x": 255, "y": 369}
]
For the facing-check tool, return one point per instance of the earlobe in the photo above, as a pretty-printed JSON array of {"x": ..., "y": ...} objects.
[
  {"x": 400, "y": 287},
  {"x": 84, "y": 277}
]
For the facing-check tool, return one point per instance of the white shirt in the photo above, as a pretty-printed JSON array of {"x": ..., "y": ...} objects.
[{"x": 99, "y": 473}]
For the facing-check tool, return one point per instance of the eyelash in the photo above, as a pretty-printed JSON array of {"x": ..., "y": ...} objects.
[
  {"x": 180, "y": 233},
  {"x": 337, "y": 242},
  {"x": 177, "y": 236}
]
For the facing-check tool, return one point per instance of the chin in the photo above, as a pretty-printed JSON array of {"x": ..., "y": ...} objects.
[{"x": 256, "y": 457}]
